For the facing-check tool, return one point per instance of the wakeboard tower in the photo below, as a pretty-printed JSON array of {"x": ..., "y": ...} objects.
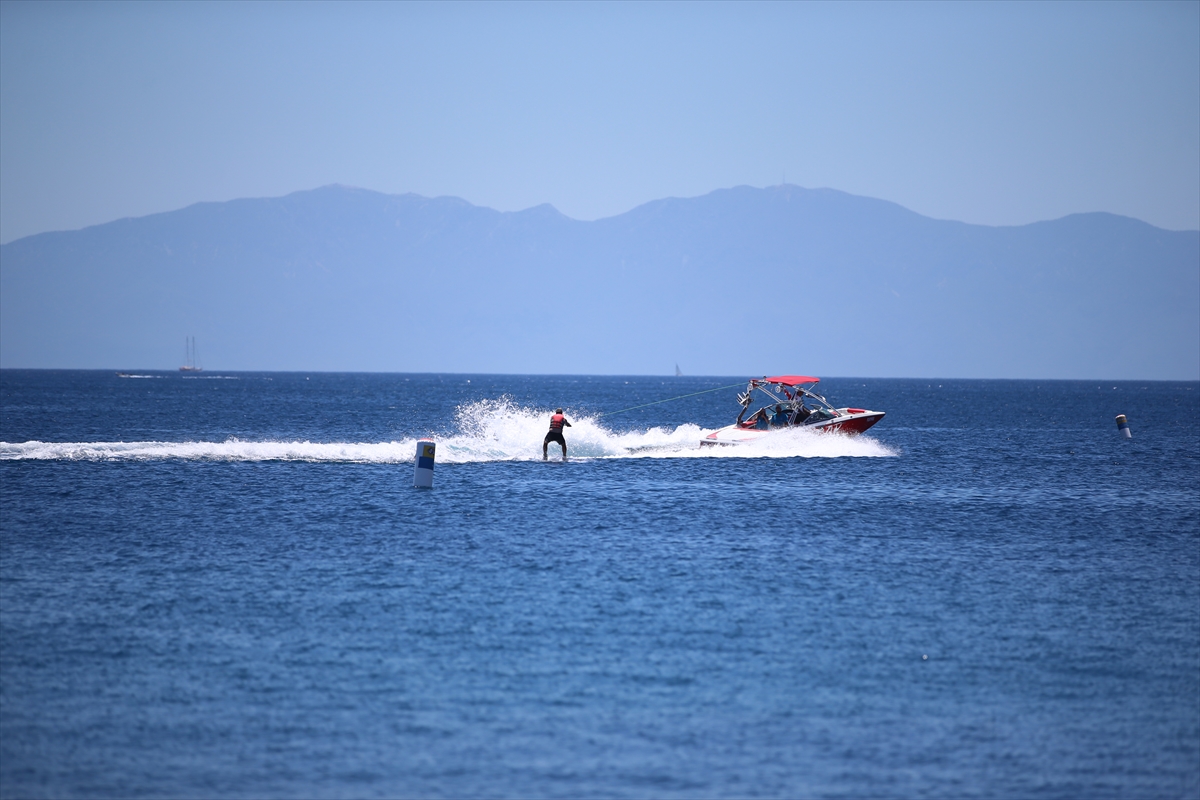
[{"x": 791, "y": 403}]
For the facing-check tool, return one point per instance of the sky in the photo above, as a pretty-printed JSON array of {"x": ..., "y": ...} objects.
[{"x": 989, "y": 113}]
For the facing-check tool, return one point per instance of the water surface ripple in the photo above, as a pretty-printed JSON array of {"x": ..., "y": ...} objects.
[{"x": 230, "y": 588}]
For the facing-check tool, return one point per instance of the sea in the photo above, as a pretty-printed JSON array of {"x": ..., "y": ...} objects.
[{"x": 226, "y": 585}]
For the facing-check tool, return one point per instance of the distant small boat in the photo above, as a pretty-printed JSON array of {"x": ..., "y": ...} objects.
[
  {"x": 678, "y": 374},
  {"x": 191, "y": 363}
]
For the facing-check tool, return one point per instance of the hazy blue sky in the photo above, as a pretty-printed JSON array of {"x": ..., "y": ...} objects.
[{"x": 995, "y": 113}]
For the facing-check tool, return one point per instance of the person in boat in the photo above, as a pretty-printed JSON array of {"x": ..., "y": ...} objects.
[
  {"x": 780, "y": 418},
  {"x": 761, "y": 420},
  {"x": 555, "y": 434},
  {"x": 802, "y": 413}
]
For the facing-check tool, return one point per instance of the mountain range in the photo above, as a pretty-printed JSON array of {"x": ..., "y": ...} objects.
[{"x": 741, "y": 281}]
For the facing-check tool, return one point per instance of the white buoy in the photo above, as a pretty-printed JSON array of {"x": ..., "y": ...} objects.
[
  {"x": 423, "y": 473},
  {"x": 1123, "y": 427}
]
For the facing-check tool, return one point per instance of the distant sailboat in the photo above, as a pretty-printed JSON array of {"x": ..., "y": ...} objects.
[
  {"x": 191, "y": 363},
  {"x": 677, "y": 372}
]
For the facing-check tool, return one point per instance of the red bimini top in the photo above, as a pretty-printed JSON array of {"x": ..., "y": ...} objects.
[{"x": 790, "y": 380}]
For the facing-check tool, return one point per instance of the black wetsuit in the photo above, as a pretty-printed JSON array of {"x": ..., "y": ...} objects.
[{"x": 556, "y": 428}]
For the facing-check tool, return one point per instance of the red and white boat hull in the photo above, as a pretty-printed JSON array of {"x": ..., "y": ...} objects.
[{"x": 849, "y": 421}]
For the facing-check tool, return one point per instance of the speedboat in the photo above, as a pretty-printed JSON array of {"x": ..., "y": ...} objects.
[{"x": 790, "y": 403}]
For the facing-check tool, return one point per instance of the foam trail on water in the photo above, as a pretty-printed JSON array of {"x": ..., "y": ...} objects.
[
  {"x": 485, "y": 430},
  {"x": 229, "y": 450}
]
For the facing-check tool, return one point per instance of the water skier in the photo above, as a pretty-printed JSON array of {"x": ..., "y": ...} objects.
[{"x": 557, "y": 423}]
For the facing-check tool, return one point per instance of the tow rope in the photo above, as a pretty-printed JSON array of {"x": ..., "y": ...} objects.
[{"x": 669, "y": 399}]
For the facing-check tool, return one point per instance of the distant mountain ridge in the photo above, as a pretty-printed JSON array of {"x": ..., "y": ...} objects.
[{"x": 738, "y": 281}]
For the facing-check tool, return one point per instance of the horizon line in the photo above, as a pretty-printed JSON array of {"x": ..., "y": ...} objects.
[{"x": 672, "y": 376}]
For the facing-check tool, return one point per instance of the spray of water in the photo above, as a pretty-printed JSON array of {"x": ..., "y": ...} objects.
[{"x": 484, "y": 430}]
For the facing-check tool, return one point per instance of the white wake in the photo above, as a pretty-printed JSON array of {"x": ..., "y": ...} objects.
[{"x": 483, "y": 431}]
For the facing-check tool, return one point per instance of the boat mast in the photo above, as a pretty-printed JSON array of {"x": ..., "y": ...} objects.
[{"x": 189, "y": 355}]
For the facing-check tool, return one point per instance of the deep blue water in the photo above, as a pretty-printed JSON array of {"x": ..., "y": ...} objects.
[{"x": 229, "y": 587}]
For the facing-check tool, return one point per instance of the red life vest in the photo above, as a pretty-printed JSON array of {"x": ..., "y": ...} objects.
[{"x": 556, "y": 422}]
